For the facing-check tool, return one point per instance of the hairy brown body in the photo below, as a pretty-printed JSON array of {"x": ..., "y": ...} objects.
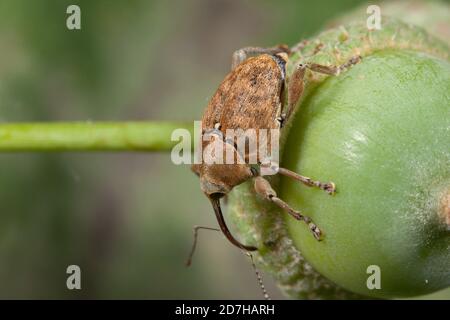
[{"x": 249, "y": 97}]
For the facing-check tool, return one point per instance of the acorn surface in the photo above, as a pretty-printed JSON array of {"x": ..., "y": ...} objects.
[
  {"x": 386, "y": 146},
  {"x": 381, "y": 132}
]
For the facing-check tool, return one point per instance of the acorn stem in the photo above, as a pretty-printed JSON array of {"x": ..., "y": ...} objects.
[{"x": 90, "y": 136}]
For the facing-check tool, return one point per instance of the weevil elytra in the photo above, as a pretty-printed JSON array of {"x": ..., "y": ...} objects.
[{"x": 257, "y": 95}]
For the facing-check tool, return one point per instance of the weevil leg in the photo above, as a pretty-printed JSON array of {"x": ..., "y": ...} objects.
[
  {"x": 194, "y": 244},
  {"x": 242, "y": 54},
  {"x": 299, "y": 46},
  {"x": 333, "y": 70},
  {"x": 263, "y": 188},
  {"x": 319, "y": 46},
  {"x": 295, "y": 86},
  {"x": 295, "y": 83},
  {"x": 328, "y": 187},
  {"x": 273, "y": 168}
]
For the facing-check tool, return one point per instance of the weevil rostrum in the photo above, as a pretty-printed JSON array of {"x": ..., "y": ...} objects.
[{"x": 257, "y": 95}]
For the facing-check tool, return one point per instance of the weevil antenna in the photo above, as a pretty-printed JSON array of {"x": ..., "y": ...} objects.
[
  {"x": 258, "y": 275},
  {"x": 218, "y": 211},
  {"x": 194, "y": 244}
]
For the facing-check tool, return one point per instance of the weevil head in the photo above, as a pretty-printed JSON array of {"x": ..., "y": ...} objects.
[{"x": 217, "y": 179}]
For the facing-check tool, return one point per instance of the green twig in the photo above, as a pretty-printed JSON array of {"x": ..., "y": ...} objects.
[{"x": 89, "y": 136}]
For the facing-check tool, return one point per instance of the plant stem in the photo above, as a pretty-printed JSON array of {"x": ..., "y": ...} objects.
[{"x": 89, "y": 136}]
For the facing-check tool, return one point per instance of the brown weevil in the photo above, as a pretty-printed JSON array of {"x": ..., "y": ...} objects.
[{"x": 256, "y": 95}]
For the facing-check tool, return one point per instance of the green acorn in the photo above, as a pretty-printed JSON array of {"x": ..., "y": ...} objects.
[{"x": 381, "y": 132}]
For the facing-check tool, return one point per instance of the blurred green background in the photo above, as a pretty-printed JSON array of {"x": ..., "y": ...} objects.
[{"x": 125, "y": 218}]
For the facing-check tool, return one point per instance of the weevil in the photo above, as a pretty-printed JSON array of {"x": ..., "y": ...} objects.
[{"x": 256, "y": 94}]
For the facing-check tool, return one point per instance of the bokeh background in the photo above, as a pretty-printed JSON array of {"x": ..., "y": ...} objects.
[{"x": 125, "y": 218}]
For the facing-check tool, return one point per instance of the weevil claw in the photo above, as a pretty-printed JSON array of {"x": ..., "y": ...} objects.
[
  {"x": 315, "y": 231},
  {"x": 330, "y": 188}
]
